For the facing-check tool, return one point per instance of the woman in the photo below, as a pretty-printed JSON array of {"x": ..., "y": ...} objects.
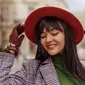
[{"x": 56, "y": 33}]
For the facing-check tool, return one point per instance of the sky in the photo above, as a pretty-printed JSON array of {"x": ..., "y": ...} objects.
[{"x": 76, "y": 5}]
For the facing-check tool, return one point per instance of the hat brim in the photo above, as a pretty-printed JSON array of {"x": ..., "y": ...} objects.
[{"x": 35, "y": 16}]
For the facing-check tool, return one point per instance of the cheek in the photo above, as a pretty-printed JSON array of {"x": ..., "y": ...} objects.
[
  {"x": 62, "y": 45},
  {"x": 42, "y": 42},
  {"x": 61, "y": 41}
]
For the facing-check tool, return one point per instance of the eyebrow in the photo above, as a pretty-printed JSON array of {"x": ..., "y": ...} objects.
[
  {"x": 53, "y": 29},
  {"x": 42, "y": 33},
  {"x": 49, "y": 30}
]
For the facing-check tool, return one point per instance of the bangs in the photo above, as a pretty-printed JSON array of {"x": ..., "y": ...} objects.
[{"x": 48, "y": 23}]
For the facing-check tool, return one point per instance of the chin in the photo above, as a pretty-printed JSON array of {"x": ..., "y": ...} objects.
[{"x": 53, "y": 54}]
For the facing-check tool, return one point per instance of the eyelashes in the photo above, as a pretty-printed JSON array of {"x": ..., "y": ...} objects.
[
  {"x": 55, "y": 33},
  {"x": 45, "y": 35}
]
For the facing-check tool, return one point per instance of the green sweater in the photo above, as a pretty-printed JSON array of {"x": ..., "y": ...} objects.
[{"x": 64, "y": 76}]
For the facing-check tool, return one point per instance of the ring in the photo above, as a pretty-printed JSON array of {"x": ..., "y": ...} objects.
[{"x": 11, "y": 44}]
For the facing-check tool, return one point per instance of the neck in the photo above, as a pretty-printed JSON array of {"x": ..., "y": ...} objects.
[{"x": 58, "y": 58}]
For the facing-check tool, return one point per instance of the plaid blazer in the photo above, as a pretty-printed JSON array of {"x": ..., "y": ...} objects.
[{"x": 32, "y": 72}]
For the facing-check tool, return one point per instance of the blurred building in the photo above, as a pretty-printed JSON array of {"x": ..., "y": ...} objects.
[
  {"x": 13, "y": 12},
  {"x": 6, "y": 20},
  {"x": 81, "y": 46}
]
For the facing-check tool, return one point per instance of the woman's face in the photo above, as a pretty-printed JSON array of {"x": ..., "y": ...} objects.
[{"x": 53, "y": 41}]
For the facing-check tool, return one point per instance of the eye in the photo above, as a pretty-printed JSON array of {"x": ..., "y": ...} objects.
[
  {"x": 43, "y": 35},
  {"x": 55, "y": 33}
]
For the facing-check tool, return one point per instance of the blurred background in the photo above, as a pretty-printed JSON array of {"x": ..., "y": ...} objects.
[{"x": 13, "y": 12}]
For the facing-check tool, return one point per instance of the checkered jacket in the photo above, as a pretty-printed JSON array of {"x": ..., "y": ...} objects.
[{"x": 32, "y": 72}]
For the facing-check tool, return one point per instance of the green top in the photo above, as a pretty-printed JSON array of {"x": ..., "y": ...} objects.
[{"x": 64, "y": 76}]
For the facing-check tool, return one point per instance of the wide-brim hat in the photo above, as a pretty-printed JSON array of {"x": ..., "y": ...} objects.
[{"x": 35, "y": 16}]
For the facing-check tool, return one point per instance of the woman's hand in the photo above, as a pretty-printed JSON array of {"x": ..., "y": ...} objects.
[{"x": 15, "y": 39}]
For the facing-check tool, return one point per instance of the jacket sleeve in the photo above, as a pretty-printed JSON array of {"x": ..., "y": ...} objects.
[{"x": 6, "y": 62}]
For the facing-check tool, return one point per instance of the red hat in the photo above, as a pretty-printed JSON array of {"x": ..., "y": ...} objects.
[{"x": 34, "y": 17}]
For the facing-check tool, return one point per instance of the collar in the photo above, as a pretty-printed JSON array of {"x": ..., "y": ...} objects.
[{"x": 48, "y": 72}]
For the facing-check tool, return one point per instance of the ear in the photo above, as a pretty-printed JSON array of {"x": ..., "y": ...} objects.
[{"x": 84, "y": 31}]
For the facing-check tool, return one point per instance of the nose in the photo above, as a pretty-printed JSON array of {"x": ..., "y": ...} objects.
[{"x": 49, "y": 38}]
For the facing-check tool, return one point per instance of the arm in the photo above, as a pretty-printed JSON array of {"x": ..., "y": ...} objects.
[
  {"x": 7, "y": 59},
  {"x": 6, "y": 62}
]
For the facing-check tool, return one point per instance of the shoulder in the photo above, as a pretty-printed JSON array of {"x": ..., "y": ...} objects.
[
  {"x": 31, "y": 64},
  {"x": 4, "y": 54}
]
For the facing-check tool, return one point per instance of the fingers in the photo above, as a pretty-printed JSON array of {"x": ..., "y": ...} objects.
[
  {"x": 13, "y": 38},
  {"x": 20, "y": 29},
  {"x": 20, "y": 40},
  {"x": 17, "y": 26}
]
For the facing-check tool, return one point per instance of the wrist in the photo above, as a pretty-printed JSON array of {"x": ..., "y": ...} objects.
[
  {"x": 9, "y": 51},
  {"x": 11, "y": 48},
  {"x": 12, "y": 51}
]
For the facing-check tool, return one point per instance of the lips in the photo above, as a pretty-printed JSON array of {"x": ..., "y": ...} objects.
[{"x": 51, "y": 46}]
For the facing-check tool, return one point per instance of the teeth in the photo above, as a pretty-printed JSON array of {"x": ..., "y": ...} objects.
[{"x": 51, "y": 45}]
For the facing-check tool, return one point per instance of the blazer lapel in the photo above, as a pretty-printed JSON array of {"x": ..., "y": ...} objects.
[{"x": 48, "y": 72}]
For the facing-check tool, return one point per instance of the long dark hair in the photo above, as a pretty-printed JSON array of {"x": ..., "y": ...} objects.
[{"x": 70, "y": 52}]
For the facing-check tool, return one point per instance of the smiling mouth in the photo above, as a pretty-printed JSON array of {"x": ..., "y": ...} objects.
[{"x": 51, "y": 46}]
